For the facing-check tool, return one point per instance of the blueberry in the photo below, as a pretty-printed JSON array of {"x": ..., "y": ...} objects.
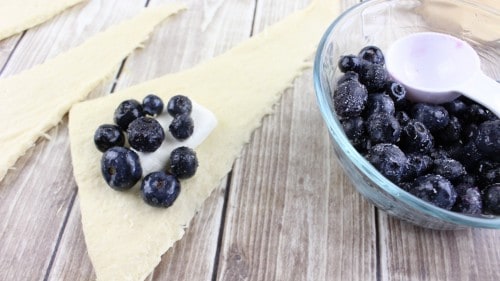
[
  {"x": 402, "y": 117},
  {"x": 182, "y": 126},
  {"x": 439, "y": 153},
  {"x": 349, "y": 75},
  {"x": 372, "y": 54},
  {"x": 447, "y": 154},
  {"x": 451, "y": 132},
  {"x": 397, "y": 92},
  {"x": 488, "y": 139},
  {"x": 484, "y": 165},
  {"x": 469, "y": 132},
  {"x": 418, "y": 165},
  {"x": 349, "y": 99},
  {"x": 469, "y": 156},
  {"x": 476, "y": 113},
  {"x": 491, "y": 116},
  {"x": 183, "y": 162},
  {"x": 416, "y": 138},
  {"x": 126, "y": 112},
  {"x": 491, "y": 199},
  {"x": 467, "y": 179},
  {"x": 405, "y": 185},
  {"x": 145, "y": 134},
  {"x": 434, "y": 117},
  {"x": 160, "y": 189},
  {"x": 380, "y": 103},
  {"x": 121, "y": 168},
  {"x": 349, "y": 63},
  {"x": 354, "y": 129},
  {"x": 373, "y": 76},
  {"x": 152, "y": 105},
  {"x": 383, "y": 127},
  {"x": 491, "y": 176},
  {"x": 453, "y": 150},
  {"x": 107, "y": 136},
  {"x": 389, "y": 160},
  {"x": 456, "y": 107},
  {"x": 448, "y": 168},
  {"x": 179, "y": 104},
  {"x": 468, "y": 201},
  {"x": 435, "y": 189}
]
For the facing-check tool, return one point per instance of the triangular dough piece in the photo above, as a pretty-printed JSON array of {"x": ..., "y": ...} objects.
[
  {"x": 19, "y": 15},
  {"x": 36, "y": 100},
  {"x": 125, "y": 237}
]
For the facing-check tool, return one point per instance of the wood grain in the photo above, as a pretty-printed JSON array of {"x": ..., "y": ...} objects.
[
  {"x": 192, "y": 258},
  {"x": 287, "y": 207},
  {"x": 68, "y": 30},
  {"x": 183, "y": 43},
  {"x": 204, "y": 32},
  {"x": 7, "y": 47},
  {"x": 71, "y": 261},
  {"x": 35, "y": 197},
  {"x": 413, "y": 253},
  {"x": 286, "y": 212},
  {"x": 33, "y": 207}
]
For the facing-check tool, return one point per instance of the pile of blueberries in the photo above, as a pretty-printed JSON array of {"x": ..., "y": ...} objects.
[
  {"x": 136, "y": 123},
  {"x": 447, "y": 154}
]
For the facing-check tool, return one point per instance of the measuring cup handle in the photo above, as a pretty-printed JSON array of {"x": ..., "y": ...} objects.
[{"x": 485, "y": 91}]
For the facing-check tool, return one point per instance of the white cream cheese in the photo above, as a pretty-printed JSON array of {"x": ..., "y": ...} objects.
[{"x": 204, "y": 123}]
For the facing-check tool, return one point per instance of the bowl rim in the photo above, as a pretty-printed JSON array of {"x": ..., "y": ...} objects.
[{"x": 360, "y": 162}]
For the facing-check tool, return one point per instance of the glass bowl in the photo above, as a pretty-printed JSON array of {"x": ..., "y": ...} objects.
[{"x": 379, "y": 23}]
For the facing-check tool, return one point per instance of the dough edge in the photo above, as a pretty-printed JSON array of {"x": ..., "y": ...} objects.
[
  {"x": 102, "y": 207},
  {"x": 43, "y": 12},
  {"x": 54, "y": 83}
]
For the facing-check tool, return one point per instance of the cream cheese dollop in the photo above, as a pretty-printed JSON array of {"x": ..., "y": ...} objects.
[{"x": 204, "y": 123}]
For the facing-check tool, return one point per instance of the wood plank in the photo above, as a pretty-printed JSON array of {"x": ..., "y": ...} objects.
[
  {"x": 267, "y": 196},
  {"x": 189, "y": 259},
  {"x": 176, "y": 45},
  {"x": 187, "y": 41},
  {"x": 290, "y": 213},
  {"x": 35, "y": 197},
  {"x": 207, "y": 30},
  {"x": 410, "y": 252},
  {"x": 7, "y": 46},
  {"x": 270, "y": 12},
  {"x": 192, "y": 258},
  {"x": 33, "y": 207},
  {"x": 76, "y": 264},
  {"x": 67, "y": 30}
]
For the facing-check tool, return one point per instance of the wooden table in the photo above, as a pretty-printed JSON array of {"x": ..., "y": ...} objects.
[{"x": 283, "y": 213}]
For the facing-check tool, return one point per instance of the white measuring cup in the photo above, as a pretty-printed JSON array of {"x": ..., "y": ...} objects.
[{"x": 437, "y": 68}]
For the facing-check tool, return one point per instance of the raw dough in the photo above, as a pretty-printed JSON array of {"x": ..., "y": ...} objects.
[
  {"x": 204, "y": 121},
  {"x": 125, "y": 237},
  {"x": 16, "y": 15},
  {"x": 36, "y": 100}
]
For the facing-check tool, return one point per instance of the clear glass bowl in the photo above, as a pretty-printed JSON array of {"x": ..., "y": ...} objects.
[{"x": 380, "y": 22}]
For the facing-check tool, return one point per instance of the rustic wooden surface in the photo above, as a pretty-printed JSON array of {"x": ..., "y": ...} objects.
[{"x": 281, "y": 214}]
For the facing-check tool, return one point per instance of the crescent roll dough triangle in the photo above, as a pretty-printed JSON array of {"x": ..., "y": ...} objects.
[
  {"x": 16, "y": 15},
  {"x": 36, "y": 100},
  {"x": 125, "y": 237}
]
